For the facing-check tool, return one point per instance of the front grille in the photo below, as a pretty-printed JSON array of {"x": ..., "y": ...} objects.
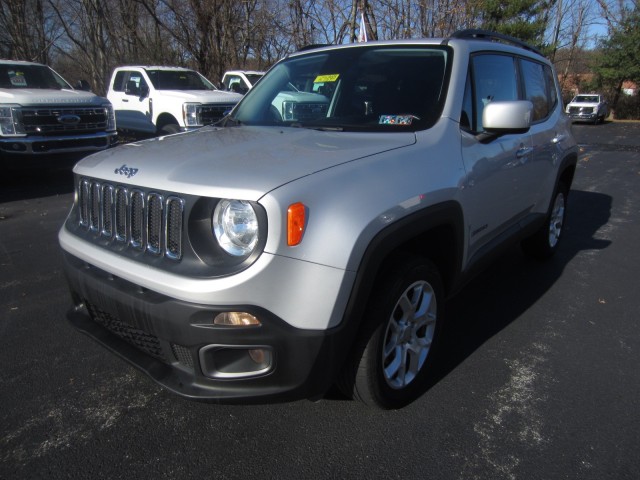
[
  {"x": 212, "y": 113},
  {"x": 46, "y": 121},
  {"x": 310, "y": 111},
  {"x": 143, "y": 221},
  {"x": 142, "y": 340},
  {"x": 582, "y": 110}
]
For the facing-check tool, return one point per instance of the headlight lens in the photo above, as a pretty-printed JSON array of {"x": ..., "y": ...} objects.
[
  {"x": 111, "y": 117},
  {"x": 9, "y": 124},
  {"x": 235, "y": 226},
  {"x": 191, "y": 113}
]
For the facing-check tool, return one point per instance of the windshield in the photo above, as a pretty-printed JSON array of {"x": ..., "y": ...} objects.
[
  {"x": 30, "y": 76},
  {"x": 179, "y": 80},
  {"x": 369, "y": 88},
  {"x": 254, "y": 77},
  {"x": 587, "y": 99}
]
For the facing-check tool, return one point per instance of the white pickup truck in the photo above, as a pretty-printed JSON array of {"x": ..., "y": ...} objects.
[
  {"x": 240, "y": 81},
  {"x": 590, "y": 107},
  {"x": 165, "y": 100},
  {"x": 41, "y": 114}
]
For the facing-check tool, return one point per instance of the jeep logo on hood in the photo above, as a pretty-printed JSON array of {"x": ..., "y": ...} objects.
[{"x": 69, "y": 119}]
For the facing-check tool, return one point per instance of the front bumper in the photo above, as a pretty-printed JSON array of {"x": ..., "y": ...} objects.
[
  {"x": 176, "y": 344},
  {"x": 581, "y": 116},
  {"x": 46, "y": 145}
]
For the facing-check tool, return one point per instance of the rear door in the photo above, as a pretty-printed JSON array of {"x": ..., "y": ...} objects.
[{"x": 548, "y": 132}]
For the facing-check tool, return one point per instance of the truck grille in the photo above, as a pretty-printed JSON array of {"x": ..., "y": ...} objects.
[
  {"x": 144, "y": 221},
  {"x": 580, "y": 109},
  {"x": 57, "y": 121},
  {"x": 212, "y": 113}
]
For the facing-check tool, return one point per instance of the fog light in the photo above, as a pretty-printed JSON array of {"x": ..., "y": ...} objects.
[
  {"x": 258, "y": 356},
  {"x": 235, "y": 319},
  {"x": 236, "y": 361}
]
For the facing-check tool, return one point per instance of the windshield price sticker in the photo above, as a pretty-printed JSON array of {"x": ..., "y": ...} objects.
[
  {"x": 17, "y": 79},
  {"x": 326, "y": 78}
]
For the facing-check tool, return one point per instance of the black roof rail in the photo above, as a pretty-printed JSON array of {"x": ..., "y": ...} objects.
[
  {"x": 312, "y": 46},
  {"x": 494, "y": 37}
]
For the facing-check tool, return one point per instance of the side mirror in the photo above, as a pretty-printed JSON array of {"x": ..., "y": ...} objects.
[
  {"x": 83, "y": 85},
  {"x": 507, "y": 117}
]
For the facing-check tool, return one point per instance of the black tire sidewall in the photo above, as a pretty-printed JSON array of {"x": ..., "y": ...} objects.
[
  {"x": 169, "y": 129},
  {"x": 538, "y": 245},
  {"x": 395, "y": 281}
]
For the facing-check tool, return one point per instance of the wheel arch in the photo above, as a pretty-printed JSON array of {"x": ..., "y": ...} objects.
[
  {"x": 165, "y": 119},
  {"x": 436, "y": 233},
  {"x": 567, "y": 170}
]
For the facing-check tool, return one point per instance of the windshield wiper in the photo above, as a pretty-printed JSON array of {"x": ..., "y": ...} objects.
[
  {"x": 228, "y": 121},
  {"x": 321, "y": 128}
]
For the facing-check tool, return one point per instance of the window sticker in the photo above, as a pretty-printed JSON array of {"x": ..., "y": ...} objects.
[
  {"x": 17, "y": 79},
  {"x": 326, "y": 78},
  {"x": 401, "y": 120}
]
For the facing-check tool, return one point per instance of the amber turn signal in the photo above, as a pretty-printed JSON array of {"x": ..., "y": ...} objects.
[{"x": 295, "y": 223}]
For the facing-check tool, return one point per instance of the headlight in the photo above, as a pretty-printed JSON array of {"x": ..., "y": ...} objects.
[
  {"x": 111, "y": 117},
  {"x": 9, "y": 122},
  {"x": 235, "y": 225},
  {"x": 191, "y": 114}
]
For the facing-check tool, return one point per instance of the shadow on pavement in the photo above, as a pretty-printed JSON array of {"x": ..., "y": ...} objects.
[
  {"x": 29, "y": 180},
  {"x": 515, "y": 282},
  {"x": 510, "y": 286}
]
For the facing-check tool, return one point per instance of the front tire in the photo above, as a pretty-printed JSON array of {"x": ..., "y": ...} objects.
[
  {"x": 169, "y": 129},
  {"x": 544, "y": 243},
  {"x": 391, "y": 360}
]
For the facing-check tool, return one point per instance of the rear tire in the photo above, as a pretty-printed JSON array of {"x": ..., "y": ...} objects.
[
  {"x": 544, "y": 243},
  {"x": 391, "y": 359}
]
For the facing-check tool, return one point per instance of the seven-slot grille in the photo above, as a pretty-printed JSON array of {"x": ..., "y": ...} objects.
[{"x": 146, "y": 221}]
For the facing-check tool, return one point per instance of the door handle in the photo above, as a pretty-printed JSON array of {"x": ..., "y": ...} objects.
[
  {"x": 558, "y": 138},
  {"x": 125, "y": 100},
  {"x": 524, "y": 152}
]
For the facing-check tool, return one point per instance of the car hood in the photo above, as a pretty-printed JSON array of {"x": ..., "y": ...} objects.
[
  {"x": 203, "y": 96},
  {"x": 583, "y": 104},
  {"x": 42, "y": 96},
  {"x": 234, "y": 162}
]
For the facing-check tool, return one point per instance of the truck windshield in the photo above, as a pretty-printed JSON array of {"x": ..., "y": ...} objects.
[
  {"x": 587, "y": 99},
  {"x": 364, "y": 88},
  {"x": 30, "y": 76},
  {"x": 179, "y": 80}
]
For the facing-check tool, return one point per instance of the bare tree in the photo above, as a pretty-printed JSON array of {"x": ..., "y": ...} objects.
[{"x": 27, "y": 30}]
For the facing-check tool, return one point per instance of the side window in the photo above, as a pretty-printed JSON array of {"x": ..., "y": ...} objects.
[
  {"x": 494, "y": 79},
  {"x": 466, "y": 116},
  {"x": 535, "y": 85},
  {"x": 551, "y": 88},
  {"x": 135, "y": 84},
  {"x": 118, "y": 82}
]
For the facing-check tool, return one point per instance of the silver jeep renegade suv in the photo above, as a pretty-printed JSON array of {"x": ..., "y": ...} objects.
[{"x": 313, "y": 236}]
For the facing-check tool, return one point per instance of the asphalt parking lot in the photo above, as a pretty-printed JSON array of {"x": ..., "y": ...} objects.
[{"x": 540, "y": 378}]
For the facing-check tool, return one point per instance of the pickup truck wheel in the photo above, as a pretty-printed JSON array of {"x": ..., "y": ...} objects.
[
  {"x": 544, "y": 243},
  {"x": 169, "y": 129},
  {"x": 390, "y": 361}
]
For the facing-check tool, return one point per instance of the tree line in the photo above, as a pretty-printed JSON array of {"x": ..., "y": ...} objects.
[{"x": 86, "y": 39}]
